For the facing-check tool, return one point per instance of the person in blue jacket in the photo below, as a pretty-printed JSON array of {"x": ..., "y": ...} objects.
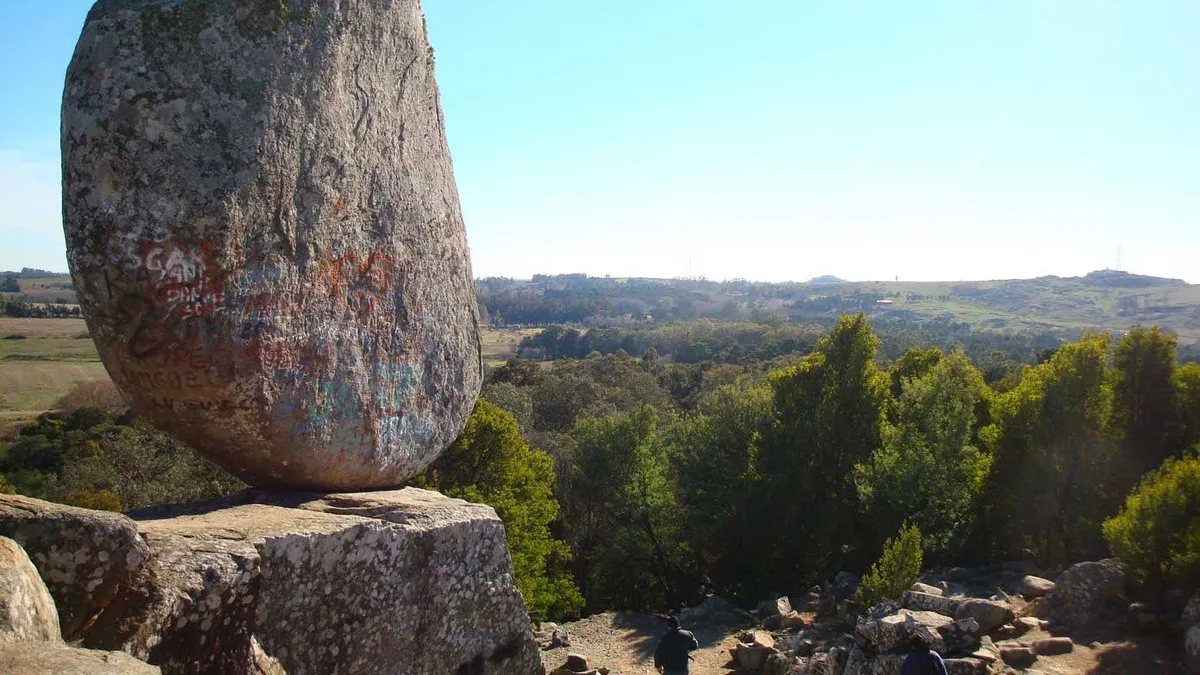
[{"x": 921, "y": 659}]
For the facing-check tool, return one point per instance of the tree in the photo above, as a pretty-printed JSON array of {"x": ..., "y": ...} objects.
[
  {"x": 1052, "y": 475},
  {"x": 489, "y": 463},
  {"x": 1144, "y": 398},
  {"x": 715, "y": 453},
  {"x": 928, "y": 470},
  {"x": 10, "y": 285},
  {"x": 895, "y": 571},
  {"x": 1187, "y": 397},
  {"x": 913, "y": 363},
  {"x": 828, "y": 417},
  {"x": 1157, "y": 533},
  {"x": 624, "y": 514}
]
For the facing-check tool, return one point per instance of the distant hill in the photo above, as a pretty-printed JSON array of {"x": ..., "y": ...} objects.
[{"x": 1106, "y": 300}]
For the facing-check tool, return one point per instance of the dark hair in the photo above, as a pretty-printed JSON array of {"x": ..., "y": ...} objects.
[{"x": 672, "y": 621}]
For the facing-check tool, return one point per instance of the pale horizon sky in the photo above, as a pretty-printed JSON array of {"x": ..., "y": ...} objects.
[{"x": 768, "y": 140}]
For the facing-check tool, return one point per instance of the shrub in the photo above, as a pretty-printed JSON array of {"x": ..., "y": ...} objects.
[
  {"x": 896, "y": 569},
  {"x": 1157, "y": 533},
  {"x": 91, "y": 394}
]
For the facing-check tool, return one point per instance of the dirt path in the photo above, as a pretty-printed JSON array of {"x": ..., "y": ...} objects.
[{"x": 624, "y": 642}]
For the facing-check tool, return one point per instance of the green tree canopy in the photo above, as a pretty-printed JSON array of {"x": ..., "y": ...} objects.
[{"x": 490, "y": 463}]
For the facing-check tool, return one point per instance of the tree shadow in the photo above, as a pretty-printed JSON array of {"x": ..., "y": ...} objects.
[
  {"x": 1136, "y": 656},
  {"x": 643, "y": 631}
]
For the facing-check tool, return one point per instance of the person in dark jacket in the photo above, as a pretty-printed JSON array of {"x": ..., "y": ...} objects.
[
  {"x": 671, "y": 657},
  {"x": 921, "y": 659}
]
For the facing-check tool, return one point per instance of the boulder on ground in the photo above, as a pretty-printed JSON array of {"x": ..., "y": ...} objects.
[
  {"x": 1035, "y": 587},
  {"x": 989, "y": 613},
  {"x": 1089, "y": 595},
  {"x": 882, "y": 631},
  {"x": 928, "y": 602},
  {"x": 919, "y": 587},
  {"x": 26, "y": 609},
  {"x": 1191, "y": 634},
  {"x": 842, "y": 590},
  {"x": 775, "y": 606},
  {"x": 52, "y": 658},
  {"x": 85, "y": 558},
  {"x": 1053, "y": 646},
  {"x": 1027, "y": 623},
  {"x": 967, "y": 666},
  {"x": 861, "y": 663},
  {"x": 265, "y": 236},
  {"x": 961, "y": 636},
  {"x": 1018, "y": 656}
]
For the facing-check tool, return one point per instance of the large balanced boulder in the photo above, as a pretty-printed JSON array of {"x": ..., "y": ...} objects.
[
  {"x": 265, "y": 236},
  {"x": 26, "y": 609}
]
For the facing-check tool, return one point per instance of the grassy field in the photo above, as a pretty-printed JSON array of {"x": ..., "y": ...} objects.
[
  {"x": 41, "y": 367},
  {"x": 57, "y": 290},
  {"x": 500, "y": 345}
]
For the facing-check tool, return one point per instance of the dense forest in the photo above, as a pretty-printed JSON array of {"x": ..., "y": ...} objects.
[{"x": 630, "y": 479}]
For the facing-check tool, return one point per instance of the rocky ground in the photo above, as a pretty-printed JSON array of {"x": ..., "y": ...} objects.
[{"x": 992, "y": 620}]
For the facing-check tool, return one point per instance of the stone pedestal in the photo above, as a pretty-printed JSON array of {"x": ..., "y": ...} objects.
[{"x": 401, "y": 581}]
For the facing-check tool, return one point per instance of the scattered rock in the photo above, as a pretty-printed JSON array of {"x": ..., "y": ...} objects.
[
  {"x": 919, "y": 587},
  {"x": 1018, "y": 656},
  {"x": 51, "y": 658},
  {"x": 1089, "y": 594},
  {"x": 265, "y": 236},
  {"x": 713, "y": 607},
  {"x": 961, "y": 636},
  {"x": 751, "y": 657},
  {"x": 842, "y": 590},
  {"x": 775, "y": 607},
  {"x": 786, "y": 664},
  {"x": 1026, "y": 624},
  {"x": 1035, "y": 587},
  {"x": 551, "y": 636},
  {"x": 1191, "y": 634},
  {"x": 967, "y": 666},
  {"x": 988, "y": 613},
  {"x": 85, "y": 558},
  {"x": 928, "y": 602},
  {"x": 860, "y": 663},
  {"x": 1053, "y": 646},
  {"x": 26, "y": 609}
]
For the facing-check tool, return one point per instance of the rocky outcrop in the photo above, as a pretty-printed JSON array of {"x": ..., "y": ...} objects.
[
  {"x": 48, "y": 658},
  {"x": 26, "y": 609},
  {"x": 1089, "y": 595},
  {"x": 377, "y": 582},
  {"x": 1191, "y": 634},
  {"x": 927, "y": 602},
  {"x": 881, "y": 630},
  {"x": 85, "y": 557},
  {"x": 265, "y": 236}
]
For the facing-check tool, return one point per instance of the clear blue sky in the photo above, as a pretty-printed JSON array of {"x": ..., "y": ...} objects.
[{"x": 772, "y": 139}]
